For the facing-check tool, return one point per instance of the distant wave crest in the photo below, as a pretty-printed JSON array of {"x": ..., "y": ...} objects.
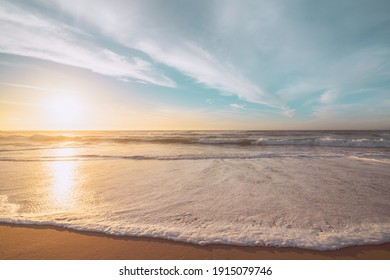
[{"x": 208, "y": 139}]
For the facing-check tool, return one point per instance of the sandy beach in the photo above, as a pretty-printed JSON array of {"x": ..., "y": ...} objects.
[{"x": 46, "y": 243}]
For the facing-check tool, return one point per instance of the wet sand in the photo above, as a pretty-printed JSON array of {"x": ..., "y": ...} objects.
[{"x": 47, "y": 243}]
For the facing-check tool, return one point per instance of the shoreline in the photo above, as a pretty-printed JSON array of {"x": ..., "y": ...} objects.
[{"x": 37, "y": 242}]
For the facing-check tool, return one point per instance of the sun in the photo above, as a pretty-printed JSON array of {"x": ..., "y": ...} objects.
[{"x": 65, "y": 111}]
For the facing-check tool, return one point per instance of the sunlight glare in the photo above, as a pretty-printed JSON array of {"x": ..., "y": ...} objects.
[
  {"x": 64, "y": 177},
  {"x": 65, "y": 110}
]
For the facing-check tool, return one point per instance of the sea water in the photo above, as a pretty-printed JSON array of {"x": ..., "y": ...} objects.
[{"x": 309, "y": 189}]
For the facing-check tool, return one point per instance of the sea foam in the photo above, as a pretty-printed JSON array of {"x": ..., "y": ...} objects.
[{"x": 307, "y": 196}]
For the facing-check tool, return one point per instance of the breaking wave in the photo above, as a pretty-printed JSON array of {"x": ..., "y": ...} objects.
[{"x": 359, "y": 139}]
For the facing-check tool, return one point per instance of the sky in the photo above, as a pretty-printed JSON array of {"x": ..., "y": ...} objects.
[{"x": 206, "y": 64}]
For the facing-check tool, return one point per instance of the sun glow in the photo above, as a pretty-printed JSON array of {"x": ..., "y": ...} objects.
[{"x": 65, "y": 111}]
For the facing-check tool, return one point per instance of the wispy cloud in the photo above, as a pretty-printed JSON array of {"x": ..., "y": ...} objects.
[
  {"x": 165, "y": 44},
  {"x": 206, "y": 69},
  {"x": 289, "y": 113},
  {"x": 328, "y": 96},
  {"x": 287, "y": 56},
  {"x": 333, "y": 112},
  {"x": 237, "y": 106},
  {"x": 16, "y": 103},
  {"x": 27, "y": 87},
  {"x": 26, "y": 34}
]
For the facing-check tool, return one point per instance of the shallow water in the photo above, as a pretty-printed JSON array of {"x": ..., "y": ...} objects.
[{"x": 319, "y": 190}]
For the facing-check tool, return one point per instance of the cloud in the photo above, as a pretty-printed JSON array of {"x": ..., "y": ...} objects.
[
  {"x": 237, "y": 106},
  {"x": 289, "y": 113},
  {"x": 16, "y": 103},
  {"x": 298, "y": 89},
  {"x": 40, "y": 37},
  {"x": 328, "y": 96},
  {"x": 44, "y": 89},
  {"x": 275, "y": 53},
  {"x": 339, "y": 112},
  {"x": 156, "y": 31},
  {"x": 206, "y": 69}
]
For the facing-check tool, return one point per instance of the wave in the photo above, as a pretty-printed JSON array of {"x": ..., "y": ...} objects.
[
  {"x": 372, "y": 159},
  {"x": 269, "y": 197},
  {"x": 170, "y": 157},
  {"x": 368, "y": 140},
  {"x": 366, "y": 234},
  {"x": 327, "y": 142}
]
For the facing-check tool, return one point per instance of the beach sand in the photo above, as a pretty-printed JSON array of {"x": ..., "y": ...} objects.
[{"x": 46, "y": 243}]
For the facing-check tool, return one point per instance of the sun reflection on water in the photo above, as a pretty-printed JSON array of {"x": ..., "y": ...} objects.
[{"x": 64, "y": 177}]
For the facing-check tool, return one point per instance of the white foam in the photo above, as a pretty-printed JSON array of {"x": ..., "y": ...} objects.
[
  {"x": 326, "y": 142},
  {"x": 290, "y": 202},
  {"x": 236, "y": 234},
  {"x": 7, "y": 208},
  {"x": 278, "y": 193},
  {"x": 384, "y": 160}
]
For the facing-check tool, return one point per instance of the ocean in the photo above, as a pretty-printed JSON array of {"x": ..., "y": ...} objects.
[{"x": 319, "y": 190}]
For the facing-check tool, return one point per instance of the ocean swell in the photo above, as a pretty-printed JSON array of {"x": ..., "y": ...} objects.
[{"x": 259, "y": 139}]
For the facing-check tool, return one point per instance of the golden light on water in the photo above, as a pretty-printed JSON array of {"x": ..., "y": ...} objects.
[
  {"x": 64, "y": 152},
  {"x": 64, "y": 177}
]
